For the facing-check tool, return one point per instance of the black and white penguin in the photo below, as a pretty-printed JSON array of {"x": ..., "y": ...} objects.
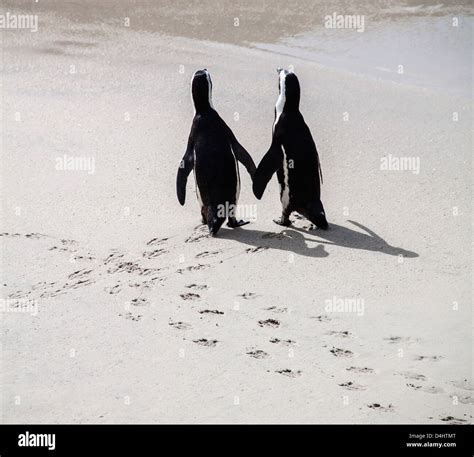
[
  {"x": 293, "y": 156},
  {"x": 213, "y": 153}
]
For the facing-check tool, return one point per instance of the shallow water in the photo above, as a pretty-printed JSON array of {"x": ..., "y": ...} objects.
[{"x": 423, "y": 51}]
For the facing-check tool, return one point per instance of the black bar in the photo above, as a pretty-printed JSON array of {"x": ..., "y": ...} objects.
[{"x": 443, "y": 440}]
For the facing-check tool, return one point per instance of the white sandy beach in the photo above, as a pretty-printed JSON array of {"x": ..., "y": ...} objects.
[{"x": 121, "y": 309}]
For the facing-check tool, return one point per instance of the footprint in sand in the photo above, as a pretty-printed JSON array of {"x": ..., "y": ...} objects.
[
  {"x": 80, "y": 283},
  {"x": 256, "y": 249},
  {"x": 338, "y": 352},
  {"x": 113, "y": 290},
  {"x": 68, "y": 242},
  {"x": 190, "y": 296},
  {"x": 211, "y": 311},
  {"x": 52, "y": 294},
  {"x": 180, "y": 325},
  {"x": 197, "y": 286},
  {"x": 49, "y": 290},
  {"x": 432, "y": 390},
  {"x": 248, "y": 295},
  {"x": 42, "y": 285},
  {"x": 132, "y": 317},
  {"x": 139, "y": 302},
  {"x": 289, "y": 373},
  {"x": 258, "y": 354},
  {"x": 206, "y": 342},
  {"x": 341, "y": 334},
  {"x": 397, "y": 339},
  {"x": 113, "y": 257},
  {"x": 8, "y": 235},
  {"x": 275, "y": 309},
  {"x": 411, "y": 375},
  {"x": 464, "y": 399},
  {"x": 37, "y": 236},
  {"x": 154, "y": 253},
  {"x": 273, "y": 323},
  {"x": 148, "y": 284},
  {"x": 19, "y": 294},
  {"x": 352, "y": 386},
  {"x": 463, "y": 384},
  {"x": 87, "y": 257},
  {"x": 61, "y": 248},
  {"x": 431, "y": 358},
  {"x": 362, "y": 370},
  {"x": 453, "y": 420},
  {"x": 148, "y": 271},
  {"x": 429, "y": 390},
  {"x": 156, "y": 241},
  {"x": 34, "y": 236},
  {"x": 79, "y": 274},
  {"x": 282, "y": 342},
  {"x": 379, "y": 407},
  {"x": 200, "y": 232},
  {"x": 207, "y": 254},
  {"x": 132, "y": 267},
  {"x": 193, "y": 268}
]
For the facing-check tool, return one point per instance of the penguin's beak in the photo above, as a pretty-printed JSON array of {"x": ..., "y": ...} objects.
[{"x": 279, "y": 69}]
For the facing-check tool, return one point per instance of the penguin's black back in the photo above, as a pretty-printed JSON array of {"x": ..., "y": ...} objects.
[
  {"x": 214, "y": 164},
  {"x": 302, "y": 158}
]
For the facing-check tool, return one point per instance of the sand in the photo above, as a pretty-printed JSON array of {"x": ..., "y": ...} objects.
[{"x": 121, "y": 309}]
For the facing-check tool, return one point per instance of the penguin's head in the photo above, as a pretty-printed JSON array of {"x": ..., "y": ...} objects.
[
  {"x": 201, "y": 88},
  {"x": 289, "y": 88}
]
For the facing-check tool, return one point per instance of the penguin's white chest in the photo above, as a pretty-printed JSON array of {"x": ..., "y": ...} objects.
[
  {"x": 198, "y": 193},
  {"x": 237, "y": 177},
  {"x": 285, "y": 189}
]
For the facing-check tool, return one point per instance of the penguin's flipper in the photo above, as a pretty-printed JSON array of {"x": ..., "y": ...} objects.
[
  {"x": 240, "y": 152},
  {"x": 271, "y": 162},
  {"x": 244, "y": 158},
  {"x": 185, "y": 167}
]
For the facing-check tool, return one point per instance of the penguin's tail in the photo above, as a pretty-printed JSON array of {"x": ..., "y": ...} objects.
[{"x": 315, "y": 213}]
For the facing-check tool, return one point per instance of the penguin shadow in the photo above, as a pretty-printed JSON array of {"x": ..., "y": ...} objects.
[
  {"x": 287, "y": 240},
  {"x": 293, "y": 239},
  {"x": 339, "y": 235}
]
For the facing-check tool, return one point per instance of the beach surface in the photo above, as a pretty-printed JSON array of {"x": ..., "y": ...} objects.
[{"x": 117, "y": 305}]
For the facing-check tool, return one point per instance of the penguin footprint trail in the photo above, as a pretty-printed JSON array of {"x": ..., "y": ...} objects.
[{"x": 115, "y": 271}]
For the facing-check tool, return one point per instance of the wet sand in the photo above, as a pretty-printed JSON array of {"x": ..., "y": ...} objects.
[{"x": 131, "y": 313}]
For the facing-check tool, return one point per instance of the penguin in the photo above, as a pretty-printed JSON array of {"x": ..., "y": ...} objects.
[
  {"x": 213, "y": 154},
  {"x": 294, "y": 158}
]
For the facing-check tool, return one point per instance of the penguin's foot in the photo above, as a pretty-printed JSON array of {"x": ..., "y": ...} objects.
[
  {"x": 215, "y": 225},
  {"x": 282, "y": 221},
  {"x": 320, "y": 222},
  {"x": 316, "y": 227},
  {"x": 234, "y": 223},
  {"x": 213, "y": 229}
]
